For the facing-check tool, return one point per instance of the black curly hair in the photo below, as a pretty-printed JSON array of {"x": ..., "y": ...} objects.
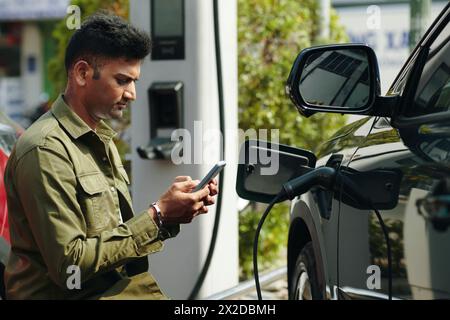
[{"x": 103, "y": 35}]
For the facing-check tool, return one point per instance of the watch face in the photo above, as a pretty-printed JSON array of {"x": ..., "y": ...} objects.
[{"x": 158, "y": 215}]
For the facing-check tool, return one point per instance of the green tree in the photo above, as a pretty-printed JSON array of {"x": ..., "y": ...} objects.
[
  {"x": 273, "y": 239},
  {"x": 270, "y": 35}
]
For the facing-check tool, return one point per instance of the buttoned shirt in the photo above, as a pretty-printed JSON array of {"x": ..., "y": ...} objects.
[{"x": 68, "y": 198}]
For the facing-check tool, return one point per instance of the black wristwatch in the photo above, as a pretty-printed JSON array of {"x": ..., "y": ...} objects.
[{"x": 165, "y": 231}]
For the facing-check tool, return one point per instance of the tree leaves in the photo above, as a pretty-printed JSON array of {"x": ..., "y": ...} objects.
[{"x": 270, "y": 35}]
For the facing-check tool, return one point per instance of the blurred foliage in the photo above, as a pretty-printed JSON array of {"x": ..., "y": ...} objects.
[
  {"x": 271, "y": 33},
  {"x": 272, "y": 240},
  {"x": 270, "y": 36},
  {"x": 378, "y": 246},
  {"x": 56, "y": 69}
]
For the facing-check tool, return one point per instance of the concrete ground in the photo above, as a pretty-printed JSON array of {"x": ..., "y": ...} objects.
[{"x": 277, "y": 290}]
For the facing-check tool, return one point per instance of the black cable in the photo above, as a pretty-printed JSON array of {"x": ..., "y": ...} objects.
[
  {"x": 363, "y": 198},
  {"x": 337, "y": 237},
  {"x": 339, "y": 207},
  {"x": 383, "y": 227},
  {"x": 255, "y": 243},
  {"x": 202, "y": 276},
  {"x": 389, "y": 254}
]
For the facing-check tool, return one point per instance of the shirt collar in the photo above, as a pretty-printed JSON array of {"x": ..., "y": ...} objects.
[{"x": 73, "y": 124}]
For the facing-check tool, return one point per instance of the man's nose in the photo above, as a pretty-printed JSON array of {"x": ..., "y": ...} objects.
[{"x": 130, "y": 92}]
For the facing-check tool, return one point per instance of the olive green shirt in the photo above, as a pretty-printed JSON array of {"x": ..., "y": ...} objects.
[{"x": 68, "y": 196}]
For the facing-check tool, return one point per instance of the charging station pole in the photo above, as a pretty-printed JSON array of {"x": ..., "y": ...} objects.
[{"x": 178, "y": 89}]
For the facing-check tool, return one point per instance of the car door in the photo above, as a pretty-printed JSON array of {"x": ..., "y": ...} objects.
[{"x": 417, "y": 145}]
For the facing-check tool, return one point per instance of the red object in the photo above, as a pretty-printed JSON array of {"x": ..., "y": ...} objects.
[{"x": 4, "y": 226}]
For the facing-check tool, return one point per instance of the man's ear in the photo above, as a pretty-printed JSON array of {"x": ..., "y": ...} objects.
[{"x": 81, "y": 71}]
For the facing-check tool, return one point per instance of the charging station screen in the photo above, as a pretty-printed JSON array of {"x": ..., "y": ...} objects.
[
  {"x": 167, "y": 114},
  {"x": 168, "y": 18}
]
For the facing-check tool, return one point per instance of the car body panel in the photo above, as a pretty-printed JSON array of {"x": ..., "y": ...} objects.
[
  {"x": 305, "y": 223},
  {"x": 420, "y": 150}
]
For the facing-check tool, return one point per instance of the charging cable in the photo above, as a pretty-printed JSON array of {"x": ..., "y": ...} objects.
[
  {"x": 324, "y": 177},
  {"x": 256, "y": 239},
  {"x": 389, "y": 254},
  {"x": 362, "y": 198},
  {"x": 201, "y": 278}
]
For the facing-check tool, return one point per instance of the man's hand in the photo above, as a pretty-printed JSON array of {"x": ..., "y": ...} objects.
[
  {"x": 213, "y": 190},
  {"x": 180, "y": 205}
]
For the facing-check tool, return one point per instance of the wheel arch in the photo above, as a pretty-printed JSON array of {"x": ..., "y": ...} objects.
[{"x": 302, "y": 230}]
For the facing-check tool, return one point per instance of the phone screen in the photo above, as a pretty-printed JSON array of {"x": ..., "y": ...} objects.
[{"x": 210, "y": 175}]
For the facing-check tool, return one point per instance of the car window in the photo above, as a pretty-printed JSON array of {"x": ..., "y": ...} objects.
[
  {"x": 433, "y": 90},
  {"x": 398, "y": 86}
]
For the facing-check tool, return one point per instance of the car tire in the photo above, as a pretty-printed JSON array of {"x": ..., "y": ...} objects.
[{"x": 304, "y": 284}]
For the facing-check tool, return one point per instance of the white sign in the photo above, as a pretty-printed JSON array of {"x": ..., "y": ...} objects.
[
  {"x": 32, "y": 9},
  {"x": 385, "y": 28},
  {"x": 11, "y": 95}
]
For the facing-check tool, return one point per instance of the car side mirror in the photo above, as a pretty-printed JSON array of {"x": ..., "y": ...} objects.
[
  {"x": 335, "y": 78},
  {"x": 265, "y": 166}
]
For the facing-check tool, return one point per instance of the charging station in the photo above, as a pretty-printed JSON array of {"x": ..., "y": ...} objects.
[{"x": 188, "y": 84}]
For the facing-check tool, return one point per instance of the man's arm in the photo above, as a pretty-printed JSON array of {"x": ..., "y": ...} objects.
[{"x": 46, "y": 184}]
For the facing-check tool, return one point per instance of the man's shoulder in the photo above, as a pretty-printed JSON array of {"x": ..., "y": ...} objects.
[{"x": 43, "y": 132}]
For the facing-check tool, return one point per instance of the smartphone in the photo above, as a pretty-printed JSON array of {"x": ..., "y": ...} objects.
[{"x": 211, "y": 175}]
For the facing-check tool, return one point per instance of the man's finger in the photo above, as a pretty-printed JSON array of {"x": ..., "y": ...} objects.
[
  {"x": 198, "y": 206},
  {"x": 209, "y": 201},
  {"x": 182, "y": 178},
  {"x": 200, "y": 194},
  {"x": 187, "y": 185},
  {"x": 213, "y": 189},
  {"x": 202, "y": 210}
]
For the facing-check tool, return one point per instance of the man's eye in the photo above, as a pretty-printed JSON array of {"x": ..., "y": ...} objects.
[{"x": 122, "y": 81}]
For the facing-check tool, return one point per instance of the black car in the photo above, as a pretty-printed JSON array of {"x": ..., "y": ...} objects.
[{"x": 370, "y": 214}]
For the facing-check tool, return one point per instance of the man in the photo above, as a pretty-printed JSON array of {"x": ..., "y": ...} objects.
[{"x": 69, "y": 207}]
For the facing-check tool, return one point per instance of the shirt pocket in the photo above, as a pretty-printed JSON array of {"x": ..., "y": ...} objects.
[{"x": 94, "y": 201}]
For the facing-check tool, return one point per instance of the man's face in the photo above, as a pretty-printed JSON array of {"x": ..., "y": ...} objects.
[{"x": 111, "y": 88}]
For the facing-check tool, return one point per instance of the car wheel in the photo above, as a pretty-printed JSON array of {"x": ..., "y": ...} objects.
[{"x": 304, "y": 278}]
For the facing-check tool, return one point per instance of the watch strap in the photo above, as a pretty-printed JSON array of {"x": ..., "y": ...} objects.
[{"x": 165, "y": 231}]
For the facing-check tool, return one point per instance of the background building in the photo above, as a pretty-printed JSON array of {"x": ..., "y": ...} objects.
[
  {"x": 384, "y": 26},
  {"x": 26, "y": 46}
]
